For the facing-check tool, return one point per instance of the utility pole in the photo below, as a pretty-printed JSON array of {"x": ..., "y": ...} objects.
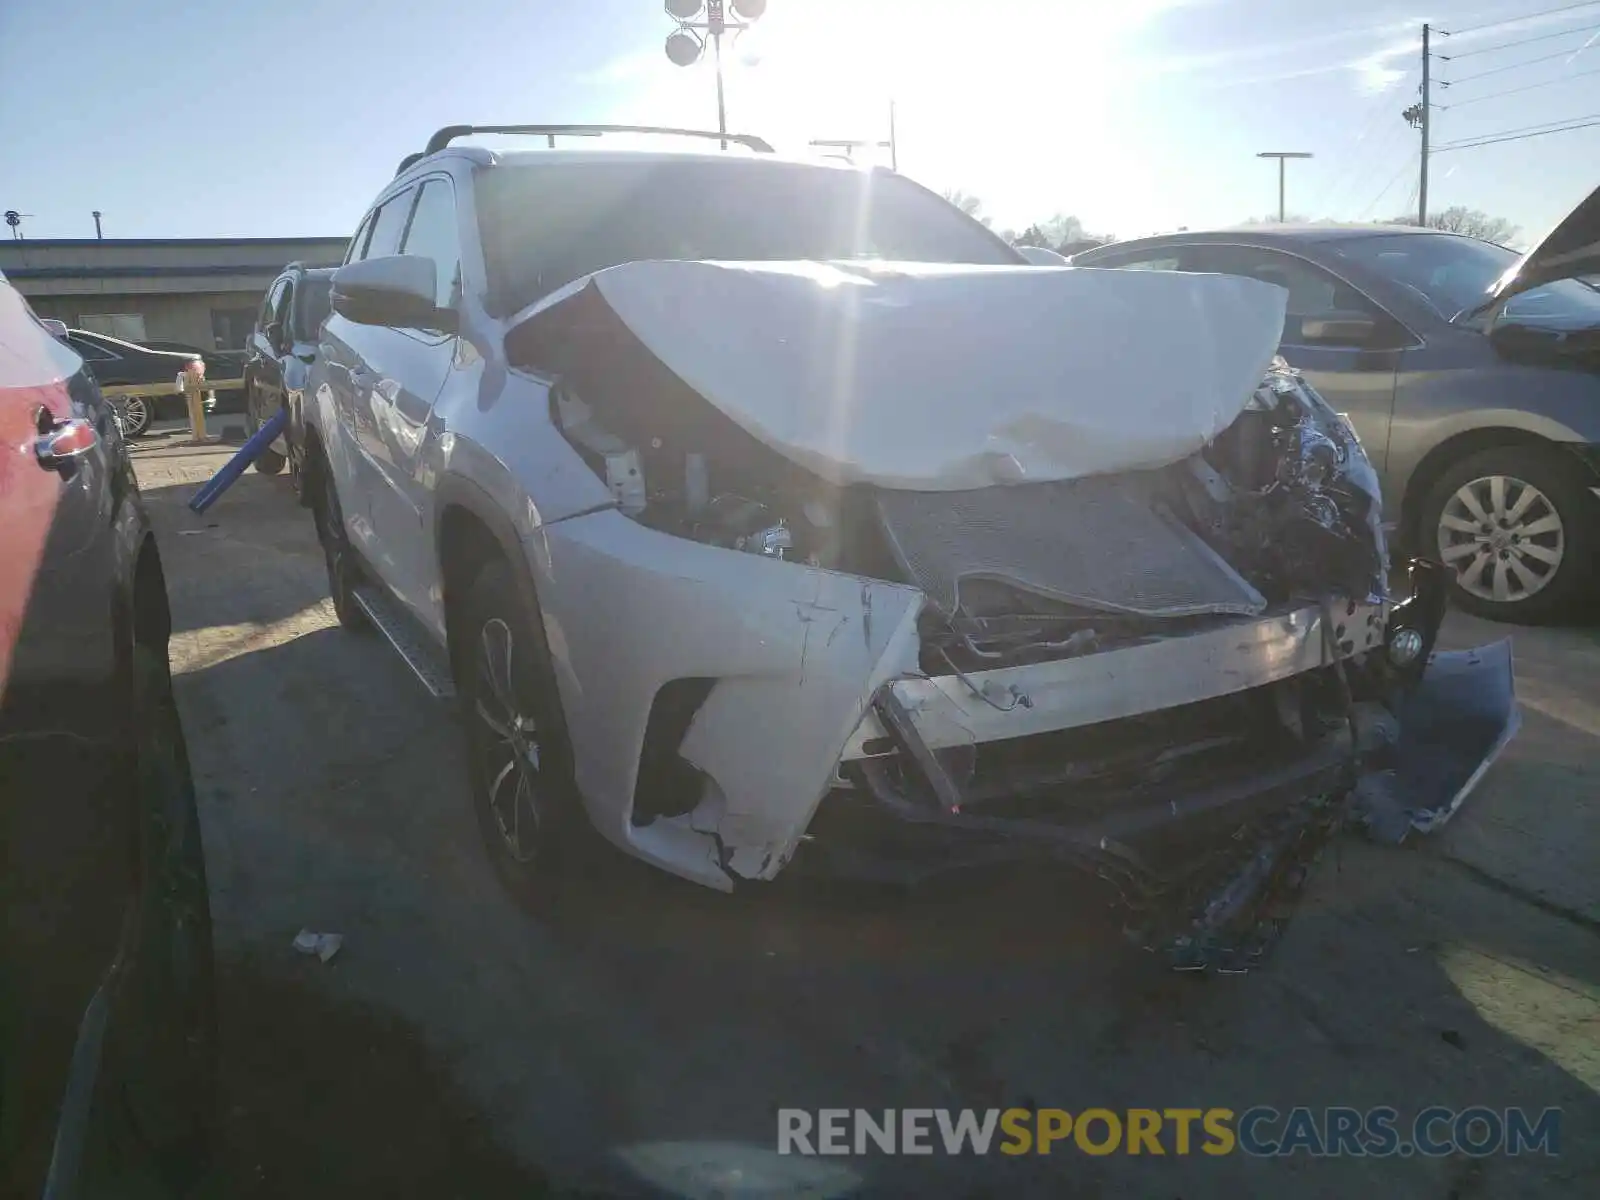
[
  {"x": 722, "y": 105},
  {"x": 894, "y": 149},
  {"x": 98, "y": 236},
  {"x": 687, "y": 45},
  {"x": 1281, "y": 156},
  {"x": 1427, "y": 107}
]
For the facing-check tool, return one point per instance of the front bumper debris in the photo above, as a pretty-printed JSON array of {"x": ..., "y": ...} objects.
[{"x": 1210, "y": 860}]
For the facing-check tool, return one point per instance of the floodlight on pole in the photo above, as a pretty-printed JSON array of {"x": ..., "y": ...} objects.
[
  {"x": 1281, "y": 155},
  {"x": 686, "y": 45}
]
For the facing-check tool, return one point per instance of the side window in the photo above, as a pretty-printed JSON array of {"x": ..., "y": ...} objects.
[
  {"x": 269, "y": 305},
  {"x": 357, "y": 250},
  {"x": 387, "y": 225},
  {"x": 89, "y": 352},
  {"x": 1323, "y": 310},
  {"x": 432, "y": 235}
]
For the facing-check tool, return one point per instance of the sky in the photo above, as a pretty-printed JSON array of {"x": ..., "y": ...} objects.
[{"x": 222, "y": 119}]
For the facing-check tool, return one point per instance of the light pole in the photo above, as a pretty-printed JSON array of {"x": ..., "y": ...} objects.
[
  {"x": 685, "y": 45},
  {"x": 1281, "y": 155}
]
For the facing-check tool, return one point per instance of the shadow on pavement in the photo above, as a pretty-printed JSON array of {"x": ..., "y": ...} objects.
[
  {"x": 641, "y": 1011},
  {"x": 328, "y": 1097}
]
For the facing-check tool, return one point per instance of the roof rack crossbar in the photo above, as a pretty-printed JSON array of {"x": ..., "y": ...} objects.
[{"x": 449, "y": 133}]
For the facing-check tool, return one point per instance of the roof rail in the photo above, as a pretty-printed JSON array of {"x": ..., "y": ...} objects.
[{"x": 449, "y": 133}]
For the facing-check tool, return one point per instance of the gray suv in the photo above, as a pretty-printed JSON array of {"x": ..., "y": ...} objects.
[{"x": 1482, "y": 417}]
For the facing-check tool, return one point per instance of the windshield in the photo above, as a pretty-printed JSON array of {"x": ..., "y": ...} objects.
[
  {"x": 1454, "y": 274},
  {"x": 545, "y": 226}
]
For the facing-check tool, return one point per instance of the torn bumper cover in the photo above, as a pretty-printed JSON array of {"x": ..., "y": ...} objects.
[{"x": 1207, "y": 848}]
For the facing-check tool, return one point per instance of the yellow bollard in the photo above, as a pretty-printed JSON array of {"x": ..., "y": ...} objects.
[{"x": 194, "y": 394}]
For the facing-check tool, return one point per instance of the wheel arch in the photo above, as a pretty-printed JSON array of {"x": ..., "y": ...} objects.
[
  {"x": 152, "y": 612},
  {"x": 471, "y": 530}
]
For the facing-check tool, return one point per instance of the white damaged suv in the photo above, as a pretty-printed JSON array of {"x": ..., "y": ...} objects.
[{"x": 760, "y": 510}]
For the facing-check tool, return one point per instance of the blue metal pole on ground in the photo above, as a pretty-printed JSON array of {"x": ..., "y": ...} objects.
[{"x": 234, "y": 467}]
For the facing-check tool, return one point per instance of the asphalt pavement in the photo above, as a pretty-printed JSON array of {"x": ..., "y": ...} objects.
[{"x": 645, "y": 1034}]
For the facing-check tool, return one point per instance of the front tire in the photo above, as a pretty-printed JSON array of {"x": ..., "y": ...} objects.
[
  {"x": 269, "y": 461},
  {"x": 523, "y": 793},
  {"x": 1517, "y": 527},
  {"x": 134, "y": 415}
]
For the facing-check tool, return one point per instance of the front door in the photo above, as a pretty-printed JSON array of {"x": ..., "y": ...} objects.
[
  {"x": 400, "y": 374},
  {"x": 346, "y": 378},
  {"x": 1352, "y": 369}
]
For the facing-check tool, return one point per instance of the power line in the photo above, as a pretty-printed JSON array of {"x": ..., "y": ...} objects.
[
  {"x": 1525, "y": 88},
  {"x": 1520, "y": 129},
  {"x": 1351, "y": 174},
  {"x": 1393, "y": 179},
  {"x": 1548, "y": 12},
  {"x": 1543, "y": 37},
  {"x": 1527, "y": 62},
  {"x": 1516, "y": 137},
  {"x": 1411, "y": 198}
]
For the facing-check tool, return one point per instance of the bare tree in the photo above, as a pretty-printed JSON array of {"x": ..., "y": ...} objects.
[
  {"x": 1471, "y": 221},
  {"x": 967, "y": 203},
  {"x": 1062, "y": 233}
]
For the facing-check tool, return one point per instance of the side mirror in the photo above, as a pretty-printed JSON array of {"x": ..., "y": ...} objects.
[
  {"x": 397, "y": 290},
  {"x": 274, "y": 334},
  {"x": 1339, "y": 329},
  {"x": 55, "y": 328}
]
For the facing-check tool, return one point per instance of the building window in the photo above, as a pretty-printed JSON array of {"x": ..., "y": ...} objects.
[
  {"x": 230, "y": 327},
  {"x": 127, "y": 326}
]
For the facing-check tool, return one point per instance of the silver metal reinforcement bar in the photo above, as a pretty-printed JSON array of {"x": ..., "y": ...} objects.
[{"x": 1070, "y": 693}]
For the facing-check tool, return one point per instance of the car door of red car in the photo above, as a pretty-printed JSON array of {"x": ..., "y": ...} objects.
[{"x": 65, "y": 869}]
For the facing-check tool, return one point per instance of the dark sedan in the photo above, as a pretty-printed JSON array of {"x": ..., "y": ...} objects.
[
  {"x": 114, "y": 361},
  {"x": 1481, "y": 415}
]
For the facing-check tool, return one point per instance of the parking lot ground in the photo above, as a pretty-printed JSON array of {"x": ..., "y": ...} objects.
[{"x": 646, "y": 1032}]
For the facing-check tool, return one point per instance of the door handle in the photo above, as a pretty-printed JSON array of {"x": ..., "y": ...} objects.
[{"x": 60, "y": 444}]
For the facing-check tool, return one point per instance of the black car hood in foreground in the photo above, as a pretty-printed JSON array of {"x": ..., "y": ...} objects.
[{"x": 1572, "y": 248}]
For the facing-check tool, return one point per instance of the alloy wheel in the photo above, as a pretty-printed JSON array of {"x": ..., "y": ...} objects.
[
  {"x": 1502, "y": 537},
  {"x": 132, "y": 414},
  {"x": 509, "y": 744}
]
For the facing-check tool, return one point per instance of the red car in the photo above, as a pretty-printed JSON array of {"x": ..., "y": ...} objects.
[{"x": 107, "y": 1018}]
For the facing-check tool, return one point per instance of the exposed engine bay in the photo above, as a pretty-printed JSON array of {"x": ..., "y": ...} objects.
[
  {"x": 1283, "y": 507},
  {"x": 1180, "y": 676}
]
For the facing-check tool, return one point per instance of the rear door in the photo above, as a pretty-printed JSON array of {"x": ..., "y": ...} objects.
[{"x": 397, "y": 375}]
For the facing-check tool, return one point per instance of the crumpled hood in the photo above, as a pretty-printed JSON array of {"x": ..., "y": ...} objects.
[{"x": 946, "y": 378}]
